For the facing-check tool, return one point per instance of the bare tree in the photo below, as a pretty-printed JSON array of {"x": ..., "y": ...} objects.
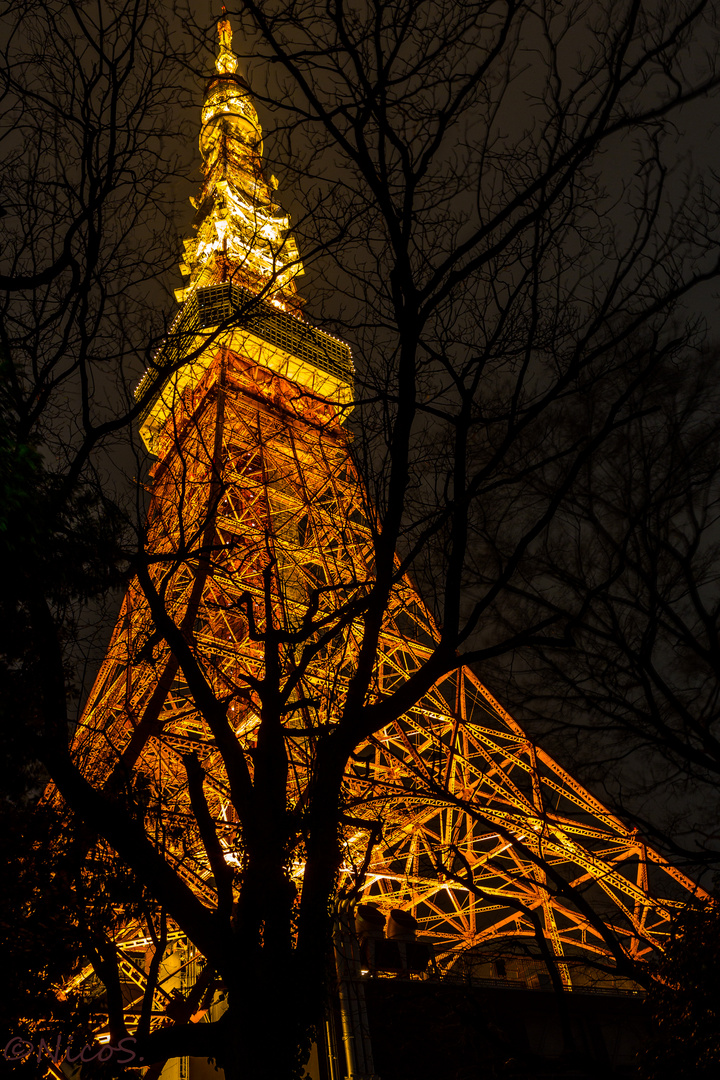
[
  {"x": 637, "y": 558},
  {"x": 489, "y": 185}
]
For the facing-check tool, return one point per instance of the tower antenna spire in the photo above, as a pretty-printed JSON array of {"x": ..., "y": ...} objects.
[
  {"x": 241, "y": 233},
  {"x": 226, "y": 61}
]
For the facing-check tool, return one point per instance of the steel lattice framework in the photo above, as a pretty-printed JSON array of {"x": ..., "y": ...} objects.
[{"x": 257, "y": 511}]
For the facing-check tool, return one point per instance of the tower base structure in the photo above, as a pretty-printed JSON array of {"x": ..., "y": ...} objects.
[{"x": 456, "y": 818}]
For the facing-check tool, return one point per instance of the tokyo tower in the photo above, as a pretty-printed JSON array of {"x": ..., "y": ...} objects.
[{"x": 260, "y": 542}]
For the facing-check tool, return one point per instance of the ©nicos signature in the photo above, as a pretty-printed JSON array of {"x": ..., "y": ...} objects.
[{"x": 18, "y": 1049}]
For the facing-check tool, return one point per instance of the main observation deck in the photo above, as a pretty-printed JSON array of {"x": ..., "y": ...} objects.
[{"x": 231, "y": 317}]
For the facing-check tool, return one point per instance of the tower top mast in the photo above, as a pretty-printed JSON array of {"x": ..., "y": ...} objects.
[
  {"x": 241, "y": 234},
  {"x": 226, "y": 61}
]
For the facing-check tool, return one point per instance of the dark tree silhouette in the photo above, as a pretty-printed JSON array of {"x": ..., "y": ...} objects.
[
  {"x": 635, "y": 697},
  {"x": 684, "y": 1002}
]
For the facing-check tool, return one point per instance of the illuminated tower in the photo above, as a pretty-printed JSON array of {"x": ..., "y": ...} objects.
[{"x": 258, "y": 516}]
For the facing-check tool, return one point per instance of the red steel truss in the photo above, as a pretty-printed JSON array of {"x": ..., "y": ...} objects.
[{"x": 257, "y": 510}]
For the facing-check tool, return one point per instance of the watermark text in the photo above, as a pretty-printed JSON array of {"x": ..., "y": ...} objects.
[{"x": 19, "y": 1049}]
